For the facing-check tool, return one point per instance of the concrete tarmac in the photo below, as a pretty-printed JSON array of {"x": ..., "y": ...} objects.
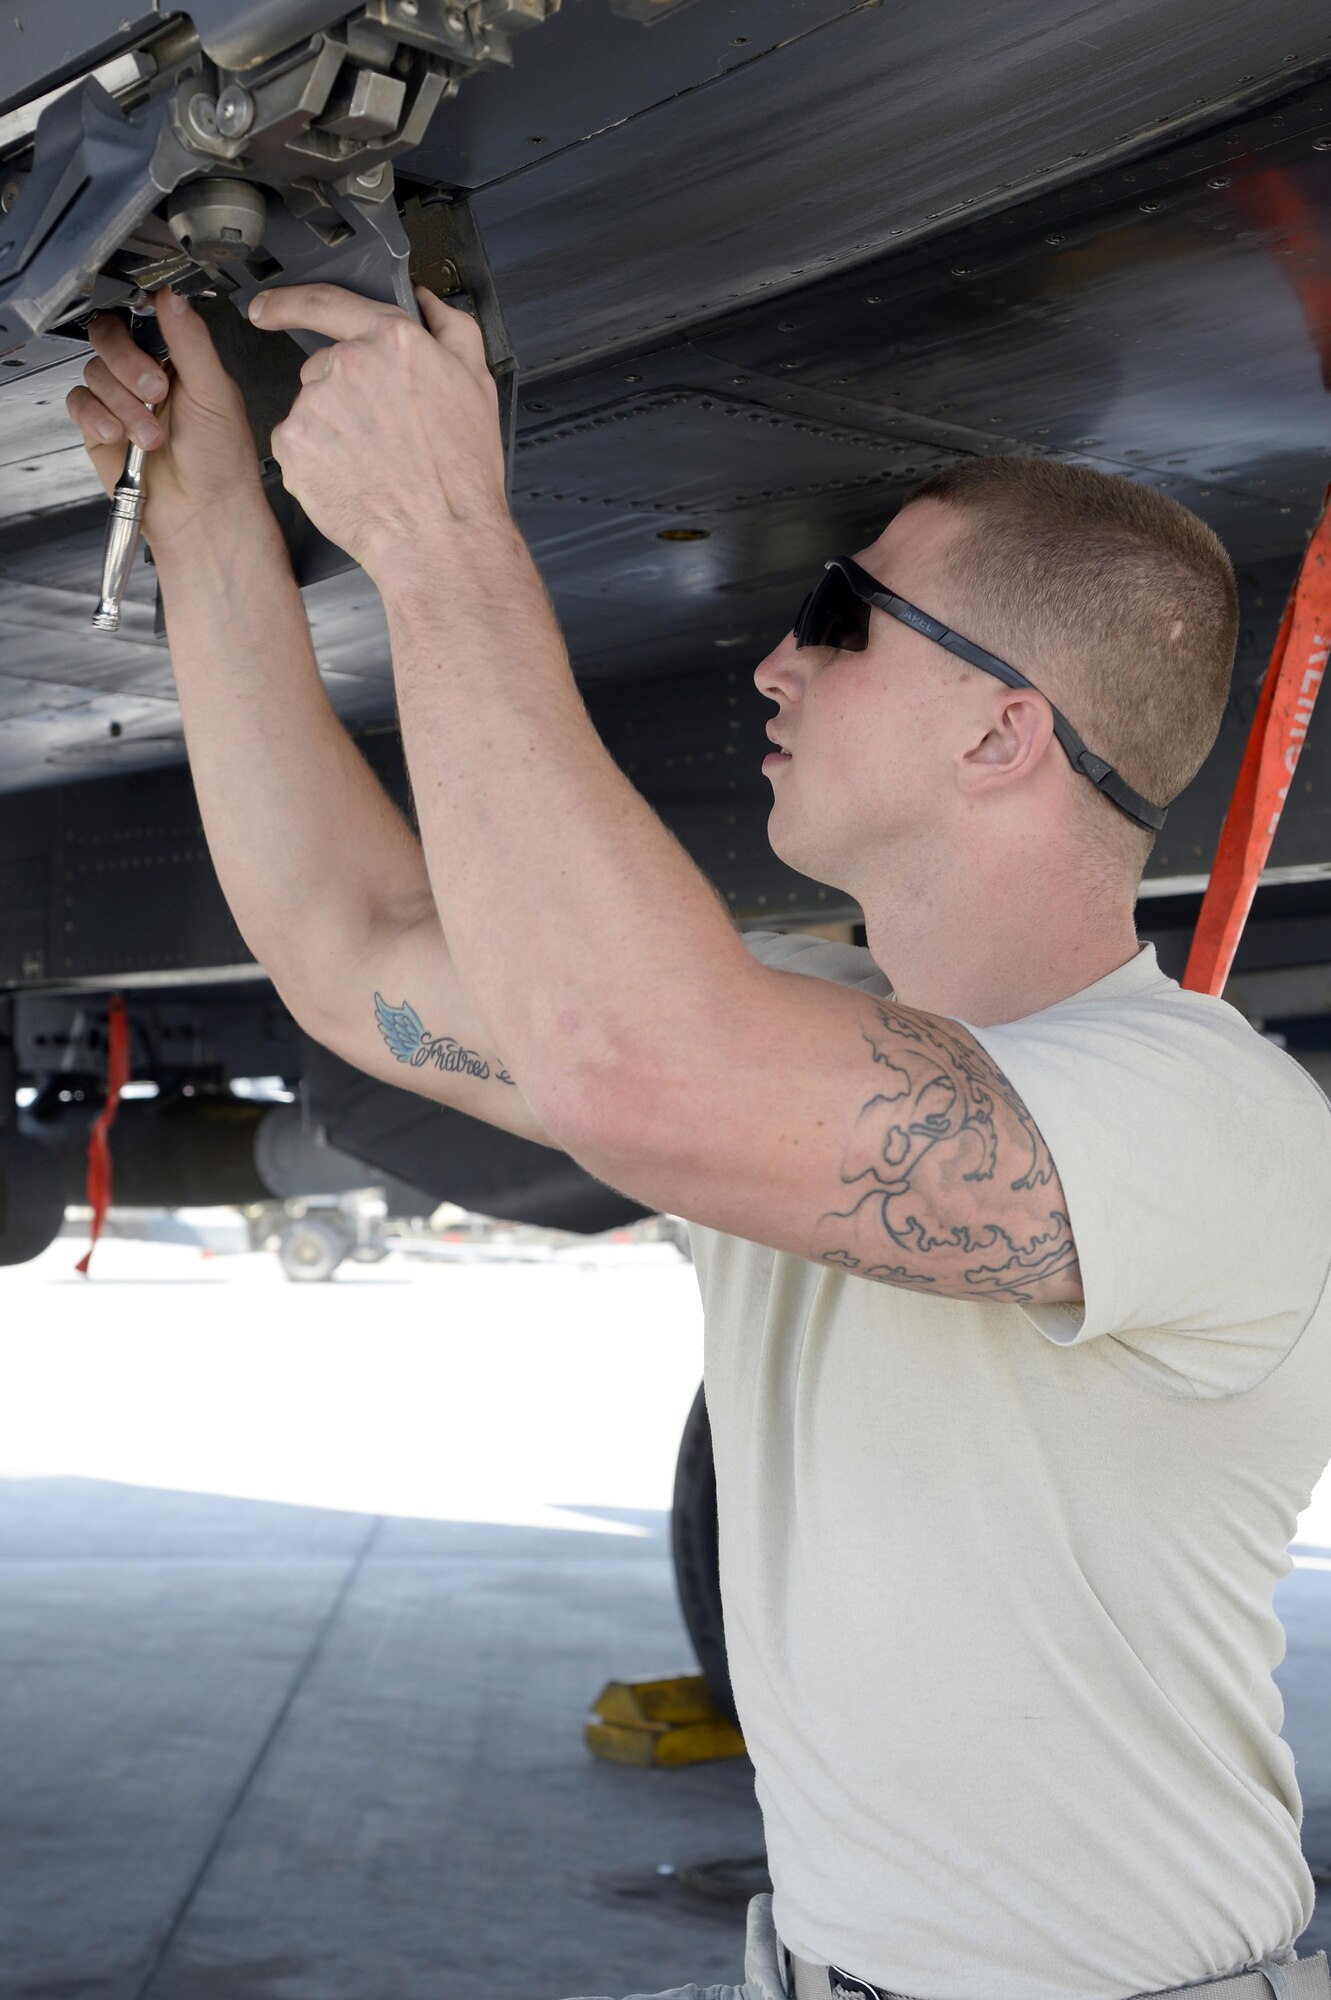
[{"x": 304, "y": 1594}]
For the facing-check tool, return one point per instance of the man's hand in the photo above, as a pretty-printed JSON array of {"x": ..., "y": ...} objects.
[
  {"x": 201, "y": 454},
  {"x": 393, "y": 442}
]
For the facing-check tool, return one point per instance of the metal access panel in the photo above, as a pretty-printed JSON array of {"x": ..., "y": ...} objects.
[
  {"x": 766, "y": 264},
  {"x": 112, "y": 877},
  {"x": 109, "y": 882}
]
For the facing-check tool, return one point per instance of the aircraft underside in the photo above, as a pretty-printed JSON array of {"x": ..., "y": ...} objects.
[{"x": 750, "y": 270}]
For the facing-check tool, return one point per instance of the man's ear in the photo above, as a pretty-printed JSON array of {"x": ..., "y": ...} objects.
[{"x": 1020, "y": 730}]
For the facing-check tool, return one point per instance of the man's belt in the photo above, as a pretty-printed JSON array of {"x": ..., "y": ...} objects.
[{"x": 1273, "y": 1979}]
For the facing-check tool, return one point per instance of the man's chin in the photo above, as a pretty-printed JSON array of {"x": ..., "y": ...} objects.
[
  {"x": 801, "y": 855},
  {"x": 778, "y": 839}
]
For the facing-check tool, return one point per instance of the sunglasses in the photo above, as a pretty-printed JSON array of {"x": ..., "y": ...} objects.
[{"x": 836, "y": 613}]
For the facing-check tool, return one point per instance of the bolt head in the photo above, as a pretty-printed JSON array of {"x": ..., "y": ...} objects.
[
  {"x": 456, "y": 21},
  {"x": 411, "y": 8},
  {"x": 1220, "y": 181},
  {"x": 1322, "y": 145},
  {"x": 235, "y": 111}
]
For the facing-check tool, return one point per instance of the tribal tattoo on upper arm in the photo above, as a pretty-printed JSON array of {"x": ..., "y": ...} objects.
[
  {"x": 405, "y": 1033},
  {"x": 953, "y": 1187}
]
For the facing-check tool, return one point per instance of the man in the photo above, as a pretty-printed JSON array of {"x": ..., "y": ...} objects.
[{"x": 1015, "y": 1270}]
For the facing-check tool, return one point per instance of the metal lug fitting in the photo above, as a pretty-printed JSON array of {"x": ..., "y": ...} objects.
[{"x": 201, "y": 118}]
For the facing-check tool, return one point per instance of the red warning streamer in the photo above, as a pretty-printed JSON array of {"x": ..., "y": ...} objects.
[
  {"x": 1279, "y": 730},
  {"x": 99, "y": 1139}
]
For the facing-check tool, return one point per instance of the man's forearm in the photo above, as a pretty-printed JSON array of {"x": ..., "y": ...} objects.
[
  {"x": 520, "y": 806},
  {"x": 309, "y": 850},
  {"x": 520, "y": 809}
]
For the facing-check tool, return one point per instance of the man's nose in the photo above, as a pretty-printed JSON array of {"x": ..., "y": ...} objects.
[{"x": 782, "y": 674}]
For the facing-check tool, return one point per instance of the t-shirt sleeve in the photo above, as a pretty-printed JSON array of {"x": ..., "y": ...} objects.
[
  {"x": 818, "y": 958},
  {"x": 1195, "y": 1159}
]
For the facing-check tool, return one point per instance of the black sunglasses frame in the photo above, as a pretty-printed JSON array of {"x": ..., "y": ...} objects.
[{"x": 836, "y": 613}]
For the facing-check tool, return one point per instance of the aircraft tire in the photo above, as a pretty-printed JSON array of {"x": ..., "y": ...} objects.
[
  {"x": 310, "y": 1250},
  {"x": 32, "y": 1197},
  {"x": 694, "y": 1542}
]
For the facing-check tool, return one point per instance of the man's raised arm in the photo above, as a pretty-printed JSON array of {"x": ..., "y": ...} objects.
[{"x": 323, "y": 875}]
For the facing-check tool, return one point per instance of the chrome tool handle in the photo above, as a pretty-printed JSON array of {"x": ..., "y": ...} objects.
[
  {"x": 122, "y": 539},
  {"x": 123, "y": 528}
]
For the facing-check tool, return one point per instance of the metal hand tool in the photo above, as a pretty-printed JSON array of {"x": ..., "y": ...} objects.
[{"x": 126, "y": 522}]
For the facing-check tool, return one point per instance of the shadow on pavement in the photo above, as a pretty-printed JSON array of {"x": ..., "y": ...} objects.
[{"x": 253, "y": 1749}]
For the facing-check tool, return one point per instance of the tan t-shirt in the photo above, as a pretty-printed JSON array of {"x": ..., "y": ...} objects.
[{"x": 997, "y": 1582}]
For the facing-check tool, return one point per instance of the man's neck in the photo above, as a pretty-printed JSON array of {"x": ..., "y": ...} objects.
[{"x": 983, "y": 945}]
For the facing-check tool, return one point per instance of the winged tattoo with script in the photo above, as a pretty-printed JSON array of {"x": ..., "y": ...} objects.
[
  {"x": 405, "y": 1033},
  {"x": 946, "y": 1171}
]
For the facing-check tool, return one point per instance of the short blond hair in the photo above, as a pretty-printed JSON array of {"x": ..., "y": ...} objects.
[{"x": 1118, "y": 601}]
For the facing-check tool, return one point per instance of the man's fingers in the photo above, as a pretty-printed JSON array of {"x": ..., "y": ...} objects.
[
  {"x": 128, "y": 411},
  {"x": 326, "y": 309},
  {"x": 434, "y": 312},
  {"x": 456, "y": 329},
  {"x": 316, "y": 366},
  {"x": 93, "y": 418},
  {"x": 343, "y": 315},
  {"x": 193, "y": 355},
  {"x": 123, "y": 358}
]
